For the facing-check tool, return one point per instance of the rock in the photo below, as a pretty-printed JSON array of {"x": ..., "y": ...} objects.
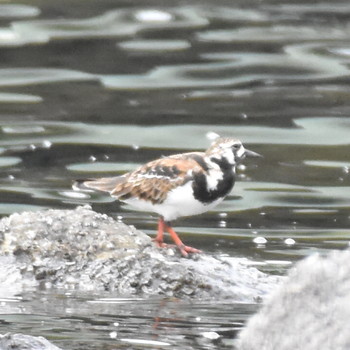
[
  {"x": 310, "y": 310},
  {"x": 12, "y": 279},
  {"x": 12, "y": 341},
  {"x": 85, "y": 250}
]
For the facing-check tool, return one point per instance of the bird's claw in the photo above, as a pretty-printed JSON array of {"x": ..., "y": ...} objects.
[
  {"x": 161, "y": 244},
  {"x": 185, "y": 250}
]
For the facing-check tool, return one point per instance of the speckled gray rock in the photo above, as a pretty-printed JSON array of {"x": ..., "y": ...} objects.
[
  {"x": 12, "y": 341},
  {"x": 85, "y": 250},
  {"x": 311, "y": 310}
]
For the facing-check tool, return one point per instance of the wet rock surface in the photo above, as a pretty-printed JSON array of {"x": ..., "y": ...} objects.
[
  {"x": 85, "y": 250},
  {"x": 310, "y": 310},
  {"x": 13, "y": 341}
]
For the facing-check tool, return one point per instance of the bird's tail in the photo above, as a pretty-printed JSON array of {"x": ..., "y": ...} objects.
[{"x": 104, "y": 184}]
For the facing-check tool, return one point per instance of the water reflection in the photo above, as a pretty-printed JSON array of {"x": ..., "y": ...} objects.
[
  {"x": 307, "y": 132},
  {"x": 115, "y": 23},
  {"x": 18, "y": 11},
  {"x": 109, "y": 321}
]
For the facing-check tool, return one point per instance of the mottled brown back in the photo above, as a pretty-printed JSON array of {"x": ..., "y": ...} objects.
[{"x": 150, "y": 182}]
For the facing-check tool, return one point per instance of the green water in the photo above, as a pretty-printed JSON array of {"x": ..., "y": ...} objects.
[{"x": 97, "y": 88}]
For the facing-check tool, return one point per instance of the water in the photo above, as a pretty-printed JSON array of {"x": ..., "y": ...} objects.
[
  {"x": 97, "y": 88},
  {"x": 78, "y": 321}
]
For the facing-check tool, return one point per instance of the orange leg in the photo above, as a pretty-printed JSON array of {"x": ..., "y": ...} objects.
[
  {"x": 159, "y": 239},
  {"x": 184, "y": 249},
  {"x": 160, "y": 234}
]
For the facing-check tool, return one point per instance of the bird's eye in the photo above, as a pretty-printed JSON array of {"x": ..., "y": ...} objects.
[{"x": 236, "y": 146}]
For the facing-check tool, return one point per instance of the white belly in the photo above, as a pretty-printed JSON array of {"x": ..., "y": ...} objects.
[{"x": 179, "y": 202}]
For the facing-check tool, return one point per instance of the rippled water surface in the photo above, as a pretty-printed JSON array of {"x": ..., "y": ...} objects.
[{"x": 90, "y": 88}]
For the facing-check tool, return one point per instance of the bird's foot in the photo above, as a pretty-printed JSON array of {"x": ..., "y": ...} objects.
[
  {"x": 161, "y": 244},
  {"x": 185, "y": 250}
]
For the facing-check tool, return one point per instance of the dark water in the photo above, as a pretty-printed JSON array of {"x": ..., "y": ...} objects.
[
  {"x": 78, "y": 321},
  {"x": 91, "y": 88}
]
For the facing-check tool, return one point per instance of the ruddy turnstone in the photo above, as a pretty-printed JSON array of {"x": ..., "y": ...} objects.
[{"x": 178, "y": 185}]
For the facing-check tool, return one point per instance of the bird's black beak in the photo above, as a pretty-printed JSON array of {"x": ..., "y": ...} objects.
[{"x": 248, "y": 153}]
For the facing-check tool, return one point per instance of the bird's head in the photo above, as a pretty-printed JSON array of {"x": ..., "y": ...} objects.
[{"x": 229, "y": 151}]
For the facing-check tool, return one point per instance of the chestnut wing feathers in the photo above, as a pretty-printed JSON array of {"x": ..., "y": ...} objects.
[{"x": 152, "y": 181}]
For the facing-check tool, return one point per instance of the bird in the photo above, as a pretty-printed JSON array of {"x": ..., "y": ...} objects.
[{"x": 178, "y": 185}]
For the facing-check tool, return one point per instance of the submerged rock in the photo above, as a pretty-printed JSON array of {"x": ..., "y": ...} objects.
[
  {"x": 18, "y": 341},
  {"x": 85, "y": 250},
  {"x": 309, "y": 311}
]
